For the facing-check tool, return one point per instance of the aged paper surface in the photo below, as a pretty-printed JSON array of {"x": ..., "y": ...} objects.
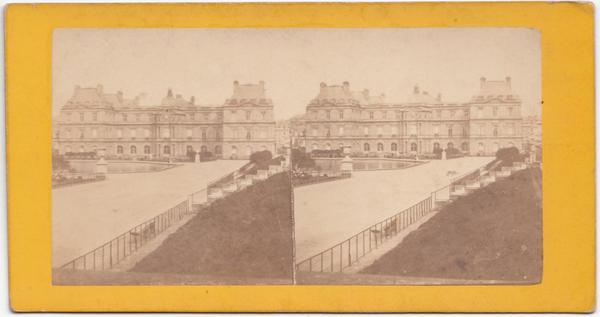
[{"x": 287, "y": 156}]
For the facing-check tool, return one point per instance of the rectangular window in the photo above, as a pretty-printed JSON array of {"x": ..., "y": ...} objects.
[
  {"x": 341, "y": 130},
  {"x": 188, "y": 133},
  {"x": 328, "y": 114},
  {"x": 379, "y": 130},
  {"x": 119, "y": 133},
  {"x": 95, "y": 116},
  {"x": 370, "y": 114},
  {"x": 314, "y": 132},
  {"x": 366, "y": 130},
  {"x": 133, "y": 133},
  {"x": 124, "y": 118},
  {"x": 248, "y": 114},
  {"x": 510, "y": 111},
  {"x": 81, "y": 116},
  {"x": 94, "y": 133},
  {"x": 495, "y": 110}
]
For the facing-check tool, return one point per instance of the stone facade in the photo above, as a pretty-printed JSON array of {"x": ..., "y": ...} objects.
[
  {"x": 364, "y": 124},
  {"x": 92, "y": 119}
]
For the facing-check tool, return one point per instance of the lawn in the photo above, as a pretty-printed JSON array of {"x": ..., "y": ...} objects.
[
  {"x": 246, "y": 234},
  {"x": 495, "y": 233}
]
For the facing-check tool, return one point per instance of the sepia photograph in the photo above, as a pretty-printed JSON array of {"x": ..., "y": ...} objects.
[
  {"x": 296, "y": 156},
  {"x": 417, "y": 159}
]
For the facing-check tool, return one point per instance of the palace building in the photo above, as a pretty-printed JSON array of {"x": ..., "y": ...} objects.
[
  {"x": 93, "y": 119},
  {"x": 364, "y": 124}
]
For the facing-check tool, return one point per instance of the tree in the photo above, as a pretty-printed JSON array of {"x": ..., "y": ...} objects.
[
  {"x": 301, "y": 159},
  {"x": 509, "y": 155}
]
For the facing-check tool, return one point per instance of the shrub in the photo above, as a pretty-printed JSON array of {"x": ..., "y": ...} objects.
[
  {"x": 301, "y": 159},
  {"x": 261, "y": 157},
  {"x": 509, "y": 155}
]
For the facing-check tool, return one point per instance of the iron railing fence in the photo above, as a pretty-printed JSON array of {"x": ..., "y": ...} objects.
[
  {"x": 198, "y": 198},
  {"x": 348, "y": 252},
  {"x": 116, "y": 250}
]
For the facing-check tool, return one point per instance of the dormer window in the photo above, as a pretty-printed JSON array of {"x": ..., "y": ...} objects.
[{"x": 248, "y": 114}]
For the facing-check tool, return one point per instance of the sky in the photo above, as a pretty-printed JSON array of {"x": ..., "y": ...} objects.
[{"x": 293, "y": 62}]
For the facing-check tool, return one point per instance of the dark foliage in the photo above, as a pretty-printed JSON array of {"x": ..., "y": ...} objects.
[
  {"x": 248, "y": 233},
  {"x": 493, "y": 234}
]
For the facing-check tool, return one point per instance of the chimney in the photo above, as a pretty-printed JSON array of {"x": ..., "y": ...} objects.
[
  {"x": 77, "y": 87},
  {"x": 346, "y": 85},
  {"x": 439, "y": 97},
  {"x": 235, "y": 83},
  {"x": 120, "y": 95},
  {"x": 482, "y": 81},
  {"x": 508, "y": 81},
  {"x": 170, "y": 93},
  {"x": 261, "y": 83},
  {"x": 366, "y": 93},
  {"x": 323, "y": 85},
  {"x": 416, "y": 90},
  {"x": 192, "y": 100}
]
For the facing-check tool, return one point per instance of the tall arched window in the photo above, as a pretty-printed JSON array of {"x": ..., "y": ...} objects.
[
  {"x": 119, "y": 149},
  {"x": 436, "y": 145},
  {"x": 217, "y": 149},
  {"x": 203, "y": 149},
  {"x": 132, "y": 149},
  {"x": 413, "y": 147},
  {"x": 366, "y": 147},
  {"x": 166, "y": 149},
  {"x": 189, "y": 149},
  {"x": 450, "y": 145},
  {"x": 147, "y": 149},
  {"x": 379, "y": 147},
  {"x": 394, "y": 147}
]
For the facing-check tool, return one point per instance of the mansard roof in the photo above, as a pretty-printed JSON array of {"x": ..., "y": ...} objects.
[
  {"x": 423, "y": 97},
  {"x": 495, "y": 90},
  {"x": 95, "y": 98},
  {"x": 249, "y": 93}
]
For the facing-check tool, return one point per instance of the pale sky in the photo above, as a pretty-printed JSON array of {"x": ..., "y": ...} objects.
[{"x": 292, "y": 62}]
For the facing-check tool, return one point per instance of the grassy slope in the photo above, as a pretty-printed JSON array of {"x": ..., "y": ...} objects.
[
  {"x": 249, "y": 234},
  {"x": 494, "y": 233}
]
